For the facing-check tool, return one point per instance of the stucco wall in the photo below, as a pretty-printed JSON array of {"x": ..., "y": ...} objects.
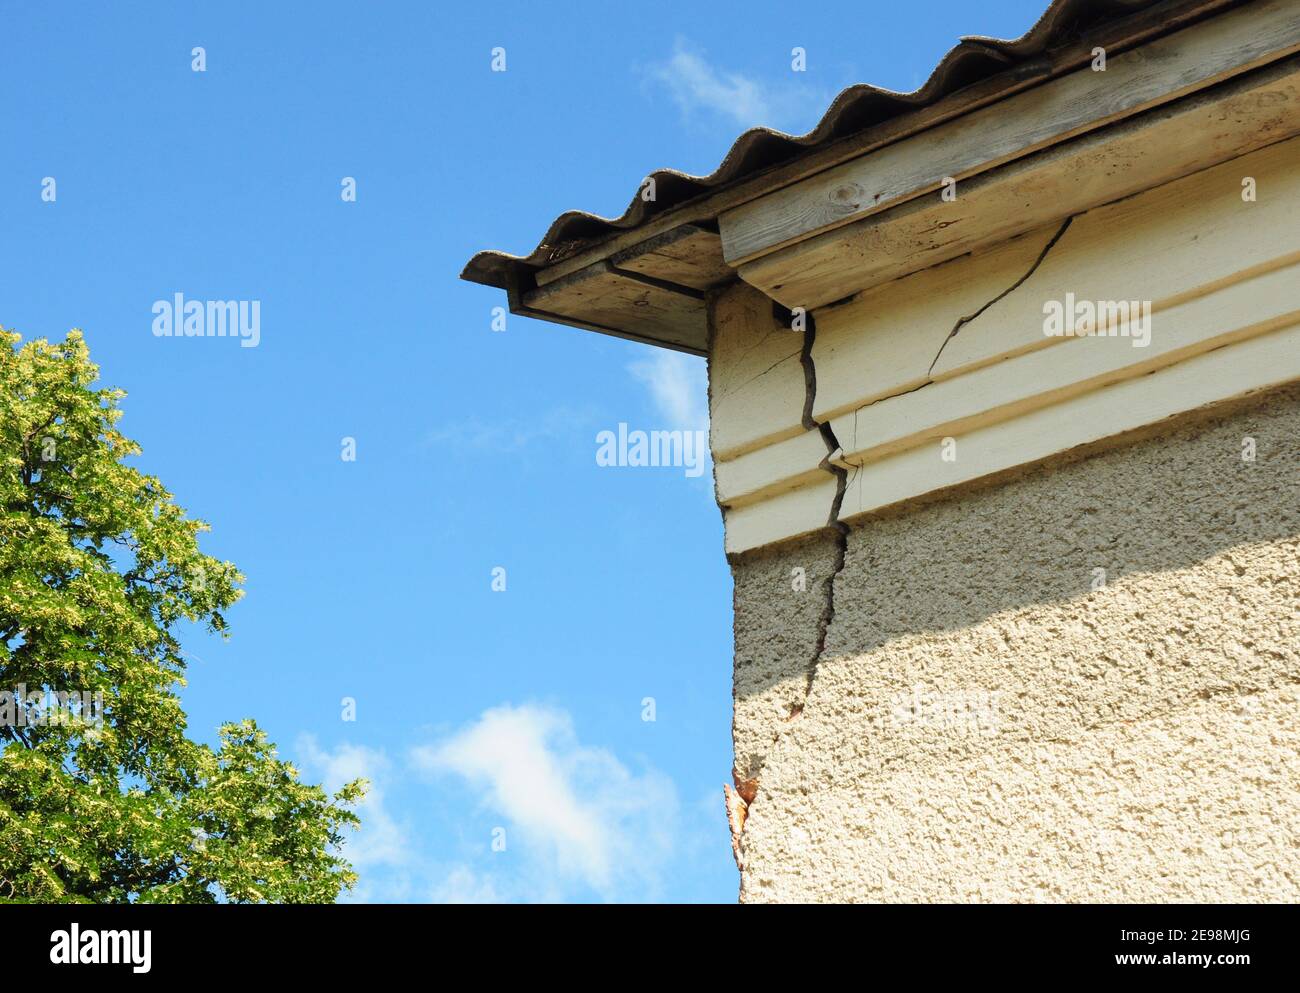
[
  {"x": 984, "y": 724},
  {"x": 781, "y": 615}
]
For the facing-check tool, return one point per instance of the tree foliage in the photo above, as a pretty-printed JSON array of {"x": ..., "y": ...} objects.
[{"x": 98, "y": 568}]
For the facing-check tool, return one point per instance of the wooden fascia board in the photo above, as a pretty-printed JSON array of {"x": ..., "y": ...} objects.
[
  {"x": 625, "y": 303},
  {"x": 518, "y": 306},
  {"x": 1134, "y": 81},
  {"x": 1174, "y": 140},
  {"x": 1117, "y": 37}
]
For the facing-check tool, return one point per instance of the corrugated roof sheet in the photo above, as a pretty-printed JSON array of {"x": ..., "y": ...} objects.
[{"x": 856, "y": 109}]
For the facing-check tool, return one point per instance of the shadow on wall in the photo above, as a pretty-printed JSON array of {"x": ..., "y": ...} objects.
[{"x": 1108, "y": 585}]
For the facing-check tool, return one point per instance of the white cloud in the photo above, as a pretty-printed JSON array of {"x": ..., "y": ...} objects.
[
  {"x": 391, "y": 864},
  {"x": 678, "y": 385},
  {"x": 579, "y": 823},
  {"x": 581, "y": 816},
  {"x": 696, "y": 86},
  {"x": 463, "y": 885},
  {"x": 383, "y": 841}
]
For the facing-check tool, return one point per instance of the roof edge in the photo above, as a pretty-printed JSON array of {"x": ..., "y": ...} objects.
[{"x": 856, "y": 110}]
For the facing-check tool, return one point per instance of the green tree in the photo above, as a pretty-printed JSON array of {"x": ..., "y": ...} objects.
[{"x": 98, "y": 566}]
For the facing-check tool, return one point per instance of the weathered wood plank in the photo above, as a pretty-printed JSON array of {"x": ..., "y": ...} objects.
[
  {"x": 786, "y": 515},
  {"x": 1136, "y": 29},
  {"x": 601, "y": 298},
  {"x": 689, "y": 255},
  {"x": 894, "y": 337},
  {"x": 1164, "y": 70},
  {"x": 1162, "y": 145},
  {"x": 764, "y": 472},
  {"x": 884, "y": 341},
  {"x": 1192, "y": 236},
  {"x": 1253, "y": 306}
]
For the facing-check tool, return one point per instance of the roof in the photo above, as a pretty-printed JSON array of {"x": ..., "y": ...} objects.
[{"x": 858, "y": 109}]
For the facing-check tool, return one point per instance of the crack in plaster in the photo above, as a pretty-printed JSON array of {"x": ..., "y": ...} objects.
[
  {"x": 833, "y": 517},
  {"x": 739, "y": 386},
  {"x": 827, "y": 615},
  {"x": 745, "y": 794},
  {"x": 963, "y": 321}
]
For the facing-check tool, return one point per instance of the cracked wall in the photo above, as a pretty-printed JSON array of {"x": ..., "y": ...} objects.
[
  {"x": 781, "y": 594},
  {"x": 1045, "y": 642},
  {"x": 968, "y": 318},
  {"x": 777, "y": 643},
  {"x": 984, "y": 724}
]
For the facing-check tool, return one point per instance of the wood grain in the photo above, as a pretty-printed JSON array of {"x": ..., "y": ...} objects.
[
  {"x": 1203, "y": 130},
  {"x": 1134, "y": 81}
]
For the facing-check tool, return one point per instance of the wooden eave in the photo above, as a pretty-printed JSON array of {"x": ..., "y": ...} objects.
[{"x": 1045, "y": 138}]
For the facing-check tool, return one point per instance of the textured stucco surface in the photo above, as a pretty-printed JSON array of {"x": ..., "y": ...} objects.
[
  {"x": 984, "y": 724},
  {"x": 780, "y": 597}
]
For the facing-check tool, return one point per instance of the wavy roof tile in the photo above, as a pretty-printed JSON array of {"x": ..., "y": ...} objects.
[{"x": 856, "y": 109}]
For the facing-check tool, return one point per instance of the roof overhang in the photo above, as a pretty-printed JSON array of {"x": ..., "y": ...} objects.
[{"x": 1029, "y": 130}]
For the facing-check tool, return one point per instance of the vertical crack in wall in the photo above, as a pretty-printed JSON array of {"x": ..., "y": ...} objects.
[
  {"x": 833, "y": 517},
  {"x": 841, "y": 475},
  {"x": 745, "y": 793}
]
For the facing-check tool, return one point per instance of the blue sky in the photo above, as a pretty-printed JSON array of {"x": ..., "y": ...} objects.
[{"x": 480, "y": 715}]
